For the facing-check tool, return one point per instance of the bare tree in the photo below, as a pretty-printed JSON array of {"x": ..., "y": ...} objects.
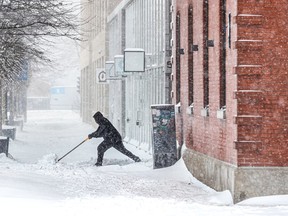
[{"x": 24, "y": 25}]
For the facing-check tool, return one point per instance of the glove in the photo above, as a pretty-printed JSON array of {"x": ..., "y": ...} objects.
[{"x": 90, "y": 136}]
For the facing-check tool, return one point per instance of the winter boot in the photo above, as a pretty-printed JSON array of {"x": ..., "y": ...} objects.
[{"x": 98, "y": 164}]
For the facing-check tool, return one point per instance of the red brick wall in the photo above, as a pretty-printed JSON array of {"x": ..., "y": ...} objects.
[
  {"x": 208, "y": 135},
  {"x": 254, "y": 132},
  {"x": 266, "y": 135}
]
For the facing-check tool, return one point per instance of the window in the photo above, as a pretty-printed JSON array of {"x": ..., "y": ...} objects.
[
  {"x": 222, "y": 53},
  {"x": 190, "y": 56},
  {"x": 178, "y": 57},
  {"x": 205, "y": 54},
  {"x": 229, "y": 30}
]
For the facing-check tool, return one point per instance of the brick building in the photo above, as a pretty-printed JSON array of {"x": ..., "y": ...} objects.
[{"x": 230, "y": 90}]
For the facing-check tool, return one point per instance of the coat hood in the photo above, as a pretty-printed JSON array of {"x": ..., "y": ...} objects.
[{"x": 98, "y": 117}]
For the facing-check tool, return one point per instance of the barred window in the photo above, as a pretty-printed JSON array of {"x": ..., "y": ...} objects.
[
  {"x": 178, "y": 58},
  {"x": 190, "y": 56},
  {"x": 205, "y": 53},
  {"x": 223, "y": 24}
]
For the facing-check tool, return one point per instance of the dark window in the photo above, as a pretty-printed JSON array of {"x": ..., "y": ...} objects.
[
  {"x": 229, "y": 30},
  {"x": 190, "y": 56},
  {"x": 178, "y": 63},
  {"x": 223, "y": 53},
  {"x": 123, "y": 27},
  {"x": 205, "y": 53}
]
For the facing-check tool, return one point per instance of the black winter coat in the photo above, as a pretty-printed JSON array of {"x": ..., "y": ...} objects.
[{"x": 106, "y": 130}]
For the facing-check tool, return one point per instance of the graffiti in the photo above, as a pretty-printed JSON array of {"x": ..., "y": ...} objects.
[{"x": 164, "y": 135}]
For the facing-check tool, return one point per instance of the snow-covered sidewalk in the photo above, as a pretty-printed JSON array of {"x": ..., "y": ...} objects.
[{"x": 33, "y": 184}]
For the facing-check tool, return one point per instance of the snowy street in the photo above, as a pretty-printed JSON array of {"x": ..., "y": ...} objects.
[{"x": 31, "y": 183}]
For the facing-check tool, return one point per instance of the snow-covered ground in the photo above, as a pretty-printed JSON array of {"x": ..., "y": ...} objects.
[{"x": 34, "y": 184}]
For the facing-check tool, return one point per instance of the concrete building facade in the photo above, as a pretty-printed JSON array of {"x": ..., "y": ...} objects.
[
  {"x": 94, "y": 89},
  {"x": 140, "y": 24},
  {"x": 229, "y": 88}
]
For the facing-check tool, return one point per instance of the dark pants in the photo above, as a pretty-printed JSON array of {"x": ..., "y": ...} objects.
[{"x": 105, "y": 145}]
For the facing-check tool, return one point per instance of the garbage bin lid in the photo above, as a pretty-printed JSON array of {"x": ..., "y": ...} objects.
[{"x": 7, "y": 127}]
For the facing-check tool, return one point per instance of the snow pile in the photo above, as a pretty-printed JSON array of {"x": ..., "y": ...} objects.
[
  {"x": 47, "y": 160},
  {"x": 4, "y": 159},
  {"x": 221, "y": 198},
  {"x": 279, "y": 200},
  {"x": 35, "y": 184}
]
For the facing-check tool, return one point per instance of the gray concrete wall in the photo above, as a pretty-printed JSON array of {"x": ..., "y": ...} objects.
[
  {"x": 242, "y": 182},
  {"x": 260, "y": 181},
  {"x": 212, "y": 172}
]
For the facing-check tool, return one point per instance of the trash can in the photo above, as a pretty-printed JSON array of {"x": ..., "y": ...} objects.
[
  {"x": 164, "y": 135},
  {"x": 4, "y": 143},
  {"x": 9, "y": 131},
  {"x": 19, "y": 123}
]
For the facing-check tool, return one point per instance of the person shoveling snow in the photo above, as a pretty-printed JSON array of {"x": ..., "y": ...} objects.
[{"x": 112, "y": 138}]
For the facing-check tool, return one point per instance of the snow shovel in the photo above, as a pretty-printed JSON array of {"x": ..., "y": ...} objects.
[{"x": 73, "y": 149}]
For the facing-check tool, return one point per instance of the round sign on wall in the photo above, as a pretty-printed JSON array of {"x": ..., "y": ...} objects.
[{"x": 102, "y": 76}]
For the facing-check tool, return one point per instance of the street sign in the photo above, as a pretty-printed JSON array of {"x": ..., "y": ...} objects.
[
  {"x": 100, "y": 75},
  {"x": 134, "y": 60},
  {"x": 119, "y": 64},
  {"x": 109, "y": 69}
]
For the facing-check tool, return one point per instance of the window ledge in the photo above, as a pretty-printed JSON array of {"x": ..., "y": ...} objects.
[
  {"x": 190, "y": 110},
  {"x": 205, "y": 112},
  {"x": 221, "y": 114},
  {"x": 178, "y": 108}
]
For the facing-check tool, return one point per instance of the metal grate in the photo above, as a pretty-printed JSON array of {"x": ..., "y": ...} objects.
[
  {"x": 206, "y": 53},
  {"x": 223, "y": 54},
  {"x": 178, "y": 58},
  {"x": 190, "y": 55}
]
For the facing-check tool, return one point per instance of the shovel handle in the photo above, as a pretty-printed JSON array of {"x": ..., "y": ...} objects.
[{"x": 73, "y": 149}]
